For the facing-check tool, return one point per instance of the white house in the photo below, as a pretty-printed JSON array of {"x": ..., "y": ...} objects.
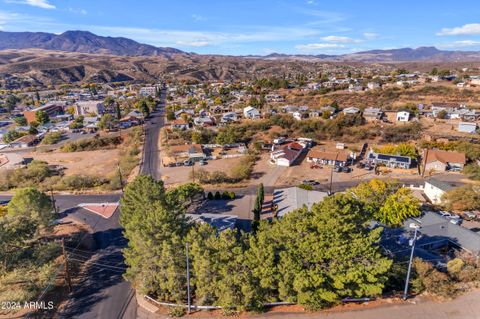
[
  {"x": 467, "y": 127},
  {"x": 286, "y": 154},
  {"x": 351, "y": 110},
  {"x": 297, "y": 115},
  {"x": 435, "y": 189},
  {"x": 403, "y": 116},
  {"x": 251, "y": 113}
]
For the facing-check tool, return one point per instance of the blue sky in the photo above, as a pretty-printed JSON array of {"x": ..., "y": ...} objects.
[{"x": 241, "y": 27}]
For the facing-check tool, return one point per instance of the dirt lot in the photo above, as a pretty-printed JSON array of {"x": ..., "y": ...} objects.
[
  {"x": 98, "y": 163},
  {"x": 181, "y": 174}
]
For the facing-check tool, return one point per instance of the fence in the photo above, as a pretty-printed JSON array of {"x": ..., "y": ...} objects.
[{"x": 169, "y": 304}]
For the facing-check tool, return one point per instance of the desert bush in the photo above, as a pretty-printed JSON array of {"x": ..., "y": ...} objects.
[
  {"x": 79, "y": 182},
  {"x": 52, "y": 138},
  {"x": 92, "y": 144}
]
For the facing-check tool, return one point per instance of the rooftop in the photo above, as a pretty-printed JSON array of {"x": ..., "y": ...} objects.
[{"x": 292, "y": 198}]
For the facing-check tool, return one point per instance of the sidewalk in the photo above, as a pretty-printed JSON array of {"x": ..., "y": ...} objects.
[{"x": 463, "y": 307}]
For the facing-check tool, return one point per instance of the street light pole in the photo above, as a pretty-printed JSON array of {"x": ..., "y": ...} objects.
[
  {"x": 405, "y": 292},
  {"x": 188, "y": 279}
]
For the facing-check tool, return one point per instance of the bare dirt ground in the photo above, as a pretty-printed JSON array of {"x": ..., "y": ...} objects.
[
  {"x": 182, "y": 174},
  {"x": 98, "y": 163}
]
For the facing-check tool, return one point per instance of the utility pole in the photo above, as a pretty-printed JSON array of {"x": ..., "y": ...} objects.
[
  {"x": 53, "y": 201},
  {"x": 405, "y": 292},
  {"x": 120, "y": 176},
  {"x": 188, "y": 279},
  {"x": 193, "y": 172},
  {"x": 67, "y": 270}
]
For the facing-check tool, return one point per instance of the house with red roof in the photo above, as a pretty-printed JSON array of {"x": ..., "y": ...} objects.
[{"x": 286, "y": 154}]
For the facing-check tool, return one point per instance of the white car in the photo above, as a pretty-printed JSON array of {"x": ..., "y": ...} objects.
[{"x": 445, "y": 214}]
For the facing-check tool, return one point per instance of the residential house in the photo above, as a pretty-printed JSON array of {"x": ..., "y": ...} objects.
[
  {"x": 129, "y": 121},
  {"x": 251, "y": 113},
  {"x": 229, "y": 117},
  {"x": 298, "y": 116},
  {"x": 467, "y": 127},
  {"x": 51, "y": 110},
  {"x": 372, "y": 114},
  {"x": 193, "y": 152},
  {"x": 25, "y": 141},
  {"x": 319, "y": 156},
  {"x": 351, "y": 110},
  {"x": 355, "y": 88},
  {"x": 441, "y": 161},
  {"x": 90, "y": 123},
  {"x": 203, "y": 121},
  {"x": 289, "y": 109},
  {"x": 403, "y": 116},
  {"x": 435, "y": 190},
  {"x": 184, "y": 112},
  {"x": 292, "y": 198},
  {"x": 219, "y": 221},
  {"x": 148, "y": 91},
  {"x": 435, "y": 236},
  {"x": 179, "y": 124},
  {"x": 392, "y": 161},
  {"x": 287, "y": 154},
  {"x": 314, "y": 113},
  {"x": 373, "y": 85},
  {"x": 274, "y": 98},
  {"x": 89, "y": 107}
]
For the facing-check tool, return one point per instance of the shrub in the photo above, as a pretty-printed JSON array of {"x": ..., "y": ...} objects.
[
  {"x": 52, "y": 138},
  {"x": 210, "y": 195},
  {"x": 176, "y": 312},
  {"x": 431, "y": 280},
  {"x": 92, "y": 144},
  {"x": 232, "y": 195},
  {"x": 79, "y": 182},
  {"x": 306, "y": 187},
  {"x": 225, "y": 195},
  {"x": 217, "y": 195}
]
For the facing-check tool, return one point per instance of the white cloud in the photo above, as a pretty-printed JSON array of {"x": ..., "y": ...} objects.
[
  {"x": 370, "y": 35},
  {"x": 162, "y": 37},
  {"x": 460, "y": 44},
  {"x": 44, "y": 4},
  {"x": 467, "y": 29},
  {"x": 78, "y": 11},
  {"x": 318, "y": 46},
  {"x": 197, "y": 17},
  {"x": 333, "y": 38},
  {"x": 193, "y": 43}
]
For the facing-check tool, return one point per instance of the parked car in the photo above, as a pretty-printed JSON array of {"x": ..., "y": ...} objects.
[
  {"x": 455, "y": 219},
  {"x": 470, "y": 215},
  {"x": 445, "y": 214},
  {"x": 171, "y": 164},
  {"x": 346, "y": 169},
  {"x": 337, "y": 169},
  {"x": 310, "y": 182},
  {"x": 188, "y": 163},
  {"x": 178, "y": 164},
  {"x": 203, "y": 162}
]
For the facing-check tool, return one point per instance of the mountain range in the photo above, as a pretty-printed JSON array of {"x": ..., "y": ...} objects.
[
  {"x": 81, "y": 42},
  {"x": 87, "y": 42}
]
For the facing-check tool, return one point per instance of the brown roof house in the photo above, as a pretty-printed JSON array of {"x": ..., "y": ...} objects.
[
  {"x": 286, "y": 154},
  {"x": 318, "y": 156},
  {"x": 441, "y": 161}
]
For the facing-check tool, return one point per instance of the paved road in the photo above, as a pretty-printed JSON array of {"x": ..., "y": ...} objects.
[{"x": 151, "y": 152}]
